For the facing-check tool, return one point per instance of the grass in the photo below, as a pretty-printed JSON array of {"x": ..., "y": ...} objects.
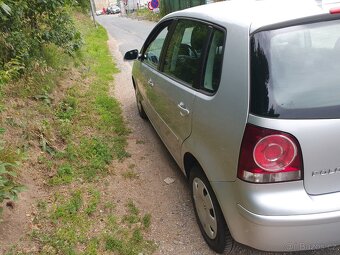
[
  {"x": 148, "y": 15},
  {"x": 129, "y": 240},
  {"x": 130, "y": 173},
  {"x": 81, "y": 131}
]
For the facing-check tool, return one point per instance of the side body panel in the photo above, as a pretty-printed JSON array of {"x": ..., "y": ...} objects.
[
  {"x": 219, "y": 120},
  {"x": 172, "y": 105}
]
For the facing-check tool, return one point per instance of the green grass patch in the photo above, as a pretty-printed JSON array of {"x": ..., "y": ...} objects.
[
  {"x": 67, "y": 108},
  {"x": 93, "y": 202},
  {"x": 80, "y": 130},
  {"x": 128, "y": 241},
  {"x": 148, "y": 15},
  {"x": 65, "y": 175},
  {"x": 69, "y": 208},
  {"x": 146, "y": 220}
]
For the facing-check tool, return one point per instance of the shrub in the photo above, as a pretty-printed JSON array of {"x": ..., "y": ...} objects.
[{"x": 28, "y": 25}]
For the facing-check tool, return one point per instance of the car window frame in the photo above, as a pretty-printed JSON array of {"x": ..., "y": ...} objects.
[
  {"x": 152, "y": 36},
  {"x": 201, "y": 88},
  {"x": 204, "y": 52},
  {"x": 197, "y": 86}
]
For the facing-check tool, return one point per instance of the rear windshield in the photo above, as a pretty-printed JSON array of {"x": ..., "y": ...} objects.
[{"x": 295, "y": 71}]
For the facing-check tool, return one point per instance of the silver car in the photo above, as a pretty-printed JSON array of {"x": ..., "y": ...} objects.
[{"x": 246, "y": 97}]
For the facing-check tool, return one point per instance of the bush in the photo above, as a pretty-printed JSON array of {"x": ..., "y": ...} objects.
[{"x": 26, "y": 26}]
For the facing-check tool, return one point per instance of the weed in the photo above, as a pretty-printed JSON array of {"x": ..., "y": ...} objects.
[
  {"x": 112, "y": 221},
  {"x": 67, "y": 108},
  {"x": 146, "y": 220},
  {"x": 90, "y": 157},
  {"x": 70, "y": 208},
  {"x": 93, "y": 203},
  {"x": 65, "y": 174},
  {"x": 42, "y": 205},
  {"x": 137, "y": 236},
  {"x": 92, "y": 247},
  {"x": 119, "y": 148},
  {"x": 132, "y": 208},
  {"x": 113, "y": 244},
  {"x": 109, "y": 206},
  {"x": 133, "y": 213},
  {"x": 11, "y": 122},
  {"x": 66, "y": 129},
  {"x": 130, "y": 174},
  {"x": 9, "y": 187}
]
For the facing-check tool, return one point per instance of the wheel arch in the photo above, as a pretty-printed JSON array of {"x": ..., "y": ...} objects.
[
  {"x": 189, "y": 162},
  {"x": 133, "y": 82}
]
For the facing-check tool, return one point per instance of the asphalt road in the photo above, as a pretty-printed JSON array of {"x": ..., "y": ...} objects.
[{"x": 129, "y": 33}]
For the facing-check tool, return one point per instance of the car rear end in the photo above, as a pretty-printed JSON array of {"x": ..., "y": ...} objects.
[{"x": 288, "y": 186}]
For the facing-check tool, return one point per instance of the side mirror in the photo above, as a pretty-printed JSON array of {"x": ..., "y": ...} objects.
[{"x": 131, "y": 55}]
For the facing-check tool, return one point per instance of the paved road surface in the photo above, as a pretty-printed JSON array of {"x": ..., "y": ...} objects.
[{"x": 129, "y": 33}]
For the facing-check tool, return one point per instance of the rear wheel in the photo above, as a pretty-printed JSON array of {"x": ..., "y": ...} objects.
[
  {"x": 140, "y": 108},
  {"x": 208, "y": 214}
]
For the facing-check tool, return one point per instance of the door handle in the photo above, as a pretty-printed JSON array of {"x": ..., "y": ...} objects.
[
  {"x": 182, "y": 109},
  {"x": 150, "y": 82}
]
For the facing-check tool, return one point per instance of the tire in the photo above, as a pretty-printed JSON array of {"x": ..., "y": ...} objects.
[
  {"x": 208, "y": 213},
  {"x": 140, "y": 108}
]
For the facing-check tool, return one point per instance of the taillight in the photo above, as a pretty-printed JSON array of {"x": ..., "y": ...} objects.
[
  {"x": 335, "y": 10},
  {"x": 269, "y": 156}
]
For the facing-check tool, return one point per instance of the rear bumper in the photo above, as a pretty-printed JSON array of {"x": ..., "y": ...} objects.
[
  {"x": 293, "y": 220},
  {"x": 291, "y": 223},
  {"x": 290, "y": 233}
]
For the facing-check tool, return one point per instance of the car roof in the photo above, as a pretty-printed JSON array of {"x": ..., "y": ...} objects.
[{"x": 254, "y": 14}]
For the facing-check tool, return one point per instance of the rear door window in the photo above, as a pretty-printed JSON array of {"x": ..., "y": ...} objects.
[{"x": 183, "y": 58}]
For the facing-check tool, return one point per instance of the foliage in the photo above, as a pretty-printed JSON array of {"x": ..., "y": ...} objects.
[
  {"x": 9, "y": 187},
  {"x": 81, "y": 131},
  {"x": 149, "y": 15},
  {"x": 27, "y": 26},
  {"x": 83, "y": 4}
]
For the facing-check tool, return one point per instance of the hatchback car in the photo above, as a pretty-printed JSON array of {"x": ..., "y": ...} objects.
[
  {"x": 246, "y": 97},
  {"x": 113, "y": 9}
]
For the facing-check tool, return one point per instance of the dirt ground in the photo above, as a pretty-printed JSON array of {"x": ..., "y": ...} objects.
[
  {"x": 173, "y": 222},
  {"x": 173, "y": 225}
]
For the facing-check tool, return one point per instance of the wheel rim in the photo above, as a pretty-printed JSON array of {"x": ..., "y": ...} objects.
[{"x": 205, "y": 208}]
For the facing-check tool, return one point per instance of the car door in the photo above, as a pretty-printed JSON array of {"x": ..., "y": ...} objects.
[
  {"x": 173, "y": 88},
  {"x": 146, "y": 70}
]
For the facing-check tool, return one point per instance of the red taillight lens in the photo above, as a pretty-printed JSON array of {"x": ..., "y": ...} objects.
[
  {"x": 269, "y": 156},
  {"x": 274, "y": 153},
  {"x": 335, "y": 10}
]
